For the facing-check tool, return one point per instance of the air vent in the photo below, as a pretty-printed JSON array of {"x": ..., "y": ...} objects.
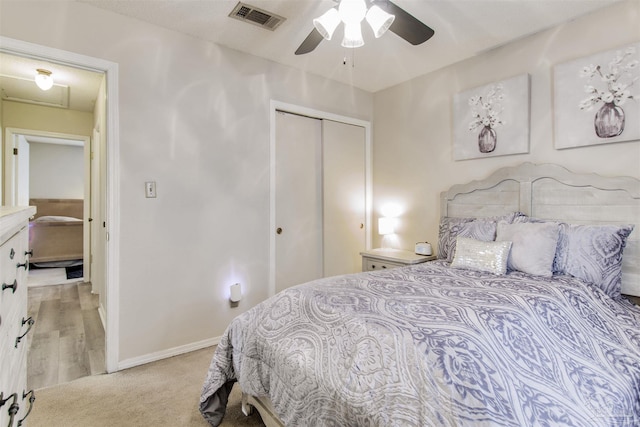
[{"x": 256, "y": 16}]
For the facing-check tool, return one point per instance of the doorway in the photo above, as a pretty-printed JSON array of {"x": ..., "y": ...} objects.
[
  {"x": 106, "y": 221},
  {"x": 53, "y": 173}
]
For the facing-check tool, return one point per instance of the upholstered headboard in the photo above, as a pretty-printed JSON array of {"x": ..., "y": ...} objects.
[
  {"x": 58, "y": 207},
  {"x": 549, "y": 191}
]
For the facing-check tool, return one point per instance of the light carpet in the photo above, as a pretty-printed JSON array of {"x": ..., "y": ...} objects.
[{"x": 163, "y": 393}]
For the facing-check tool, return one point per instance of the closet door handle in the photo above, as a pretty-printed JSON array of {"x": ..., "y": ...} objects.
[
  {"x": 279, "y": 230},
  {"x": 28, "y": 321},
  {"x": 12, "y": 286}
]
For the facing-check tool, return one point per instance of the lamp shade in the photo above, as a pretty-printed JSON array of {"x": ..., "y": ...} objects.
[
  {"x": 327, "y": 23},
  {"x": 379, "y": 20},
  {"x": 352, "y": 35},
  {"x": 44, "y": 79},
  {"x": 386, "y": 226}
]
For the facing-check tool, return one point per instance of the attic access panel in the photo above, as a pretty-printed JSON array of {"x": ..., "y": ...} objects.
[{"x": 19, "y": 89}]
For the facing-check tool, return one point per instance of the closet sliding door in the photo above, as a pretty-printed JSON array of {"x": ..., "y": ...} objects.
[
  {"x": 343, "y": 168},
  {"x": 319, "y": 199},
  {"x": 298, "y": 198}
]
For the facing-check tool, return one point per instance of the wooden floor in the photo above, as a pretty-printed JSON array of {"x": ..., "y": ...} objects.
[{"x": 67, "y": 341}]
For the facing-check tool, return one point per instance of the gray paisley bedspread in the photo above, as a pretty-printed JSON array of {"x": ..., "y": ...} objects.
[{"x": 428, "y": 345}]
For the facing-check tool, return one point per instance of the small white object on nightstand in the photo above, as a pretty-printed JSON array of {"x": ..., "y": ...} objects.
[{"x": 382, "y": 259}]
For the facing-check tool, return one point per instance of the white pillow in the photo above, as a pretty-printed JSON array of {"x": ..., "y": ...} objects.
[
  {"x": 533, "y": 246},
  {"x": 477, "y": 255}
]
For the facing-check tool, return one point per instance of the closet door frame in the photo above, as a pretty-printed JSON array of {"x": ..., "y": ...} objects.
[{"x": 310, "y": 112}]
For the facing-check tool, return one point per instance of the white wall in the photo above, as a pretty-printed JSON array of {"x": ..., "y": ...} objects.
[
  {"x": 413, "y": 126},
  {"x": 194, "y": 117},
  {"x": 56, "y": 171}
]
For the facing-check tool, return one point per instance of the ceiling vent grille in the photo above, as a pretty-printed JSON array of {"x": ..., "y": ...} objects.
[{"x": 256, "y": 16}]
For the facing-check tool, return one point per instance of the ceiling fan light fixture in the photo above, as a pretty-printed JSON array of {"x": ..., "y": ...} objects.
[
  {"x": 327, "y": 23},
  {"x": 352, "y": 11},
  {"x": 352, "y": 35},
  {"x": 44, "y": 79},
  {"x": 379, "y": 20}
]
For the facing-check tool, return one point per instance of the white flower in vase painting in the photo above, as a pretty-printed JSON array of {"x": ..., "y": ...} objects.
[
  {"x": 611, "y": 87},
  {"x": 485, "y": 114}
]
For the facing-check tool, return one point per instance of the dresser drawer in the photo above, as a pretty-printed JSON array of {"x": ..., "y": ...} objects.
[{"x": 373, "y": 265}]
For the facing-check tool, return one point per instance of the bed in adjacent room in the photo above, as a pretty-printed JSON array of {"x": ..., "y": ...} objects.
[
  {"x": 521, "y": 321},
  {"x": 56, "y": 231}
]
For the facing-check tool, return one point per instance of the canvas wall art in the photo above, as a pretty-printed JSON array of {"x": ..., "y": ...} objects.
[
  {"x": 597, "y": 98},
  {"x": 492, "y": 120}
]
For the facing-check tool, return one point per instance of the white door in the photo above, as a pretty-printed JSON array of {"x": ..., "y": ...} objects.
[
  {"x": 343, "y": 166},
  {"x": 320, "y": 205},
  {"x": 298, "y": 199}
]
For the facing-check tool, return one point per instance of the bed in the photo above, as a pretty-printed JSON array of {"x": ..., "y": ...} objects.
[
  {"x": 56, "y": 231},
  {"x": 520, "y": 322}
]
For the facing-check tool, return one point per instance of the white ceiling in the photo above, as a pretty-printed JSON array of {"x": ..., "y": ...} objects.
[{"x": 463, "y": 28}]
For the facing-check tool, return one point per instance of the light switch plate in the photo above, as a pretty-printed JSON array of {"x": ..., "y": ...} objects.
[{"x": 150, "y": 189}]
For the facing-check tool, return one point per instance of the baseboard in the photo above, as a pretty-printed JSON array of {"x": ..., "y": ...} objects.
[{"x": 164, "y": 354}]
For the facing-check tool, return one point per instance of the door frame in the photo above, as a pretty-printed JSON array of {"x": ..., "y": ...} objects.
[
  {"x": 274, "y": 107},
  {"x": 112, "y": 174},
  {"x": 10, "y": 173}
]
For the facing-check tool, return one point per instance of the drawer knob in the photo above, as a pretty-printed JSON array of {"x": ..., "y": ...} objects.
[
  {"x": 12, "y": 286},
  {"x": 29, "y": 322},
  {"x": 32, "y": 399},
  {"x": 24, "y": 265},
  {"x": 13, "y": 408},
  {"x": 29, "y": 252}
]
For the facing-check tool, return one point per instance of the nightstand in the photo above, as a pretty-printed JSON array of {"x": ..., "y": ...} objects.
[{"x": 380, "y": 259}]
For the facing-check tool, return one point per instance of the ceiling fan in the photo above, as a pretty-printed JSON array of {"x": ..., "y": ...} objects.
[{"x": 398, "y": 21}]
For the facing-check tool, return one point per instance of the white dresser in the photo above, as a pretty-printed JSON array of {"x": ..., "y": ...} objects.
[{"x": 15, "y": 400}]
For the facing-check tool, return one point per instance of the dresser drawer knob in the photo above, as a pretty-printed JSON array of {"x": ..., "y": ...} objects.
[
  {"x": 29, "y": 252},
  {"x": 13, "y": 408},
  {"x": 32, "y": 399},
  {"x": 12, "y": 286},
  {"x": 24, "y": 265},
  {"x": 29, "y": 322}
]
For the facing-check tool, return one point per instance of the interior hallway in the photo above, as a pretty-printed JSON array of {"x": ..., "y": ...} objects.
[{"x": 67, "y": 341}]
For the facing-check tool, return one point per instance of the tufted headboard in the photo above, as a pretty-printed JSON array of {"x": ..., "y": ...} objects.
[{"x": 549, "y": 191}]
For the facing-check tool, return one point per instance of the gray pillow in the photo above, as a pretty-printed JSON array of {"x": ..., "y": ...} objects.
[
  {"x": 449, "y": 227},
  {"x": 479, "y": 230},
  {"x": 533, "y": 246},
  {"x": 477, "y": 255},
  {"x": 593, "y": 253}
]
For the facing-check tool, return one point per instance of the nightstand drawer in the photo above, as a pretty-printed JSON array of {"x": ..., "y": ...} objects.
[
  {"x": 384, "y": 259},
  {"x": 373, "y": 265}
]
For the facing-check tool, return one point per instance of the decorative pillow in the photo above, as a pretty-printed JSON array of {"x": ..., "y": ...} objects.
[
  {"x": 477, "y": 255},
  {"x": 479, "y": 230},
  {"x": 533, "y": 246},
  {"x": 593, "y": 253},
  {"x": 447, "y": 236}
]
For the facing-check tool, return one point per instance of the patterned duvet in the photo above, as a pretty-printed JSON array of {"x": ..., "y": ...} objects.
[{"x": 429, "y": 345}]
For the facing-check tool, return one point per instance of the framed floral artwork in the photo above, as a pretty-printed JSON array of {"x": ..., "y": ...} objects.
[
  {"x": 492, "y": 120},
  {"x": 597, "y": 98}
]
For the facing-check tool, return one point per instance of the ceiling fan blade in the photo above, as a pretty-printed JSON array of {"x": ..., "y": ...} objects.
[
  {"x": 405, "y": 25},
  {"x": 311, "y": 42}
]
